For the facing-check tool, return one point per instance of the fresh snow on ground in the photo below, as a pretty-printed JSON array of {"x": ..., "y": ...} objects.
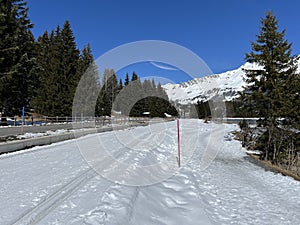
[
  {"x": 54, "y": 184},
  {"x": 41, "y": 134}
]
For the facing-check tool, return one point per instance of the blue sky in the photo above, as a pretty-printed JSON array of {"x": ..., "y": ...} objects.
[{"x": 219, "y": 31}]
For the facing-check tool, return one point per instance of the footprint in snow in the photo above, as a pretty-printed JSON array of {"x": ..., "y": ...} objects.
[{"x": 95, "y": 216}]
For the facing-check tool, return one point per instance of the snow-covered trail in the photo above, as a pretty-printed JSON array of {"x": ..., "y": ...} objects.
[{"x": 55, "y": 185}]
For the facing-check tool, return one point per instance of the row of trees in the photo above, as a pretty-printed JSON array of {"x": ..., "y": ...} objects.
[
  {"x": 18, "y": 57},
  {"x": 132, "y": 97},
  {"x": 233, "y": 109},
  {"x": 272, "y": 94},
  {"x": 61, "y": 66},
  {"x": 43, "y": 74},
  {"x": 40, "y": 74}
]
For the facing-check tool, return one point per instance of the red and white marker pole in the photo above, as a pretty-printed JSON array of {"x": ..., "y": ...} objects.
[{"x": 178, "y": 136}]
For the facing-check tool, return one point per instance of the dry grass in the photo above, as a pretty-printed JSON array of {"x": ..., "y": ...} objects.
[{"x": 276, "y": 168}]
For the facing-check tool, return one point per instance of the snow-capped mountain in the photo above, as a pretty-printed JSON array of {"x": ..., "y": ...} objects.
[{"x": 226, "y": 84}]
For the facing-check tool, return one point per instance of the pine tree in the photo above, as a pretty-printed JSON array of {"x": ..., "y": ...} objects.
[
  {"x": 108, "y": 92},
  {"x": 148, "y": 92},
  {"x": 265, "y": 90},
  {"x": 120, "y": 84},
  {"x": 269, "y": 92},
  {"x": 69, "y": 64},
  {"x": 18, "y": 71},
  {"x": 49, "y": 59},
  {"x": 61, "y": 72},
  {"x": 203, "y": 109},
  {"x": 87, "y": 92},
  {"x": 138, "y": 94},
  {"x": 134, "y": 77},
  {"x": 126, "y": 79},
  {"x": 291, "y": 105},
  {"x": 41, "y": 102},
  {"x": 153, "y": 84}
]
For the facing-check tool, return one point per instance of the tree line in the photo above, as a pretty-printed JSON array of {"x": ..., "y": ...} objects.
[
  {"x": 18, "y": 57},
  {"x": 132, "y": 97},
  {"x": 37, "y": 74},
  {"x": 42, "y": 74}
]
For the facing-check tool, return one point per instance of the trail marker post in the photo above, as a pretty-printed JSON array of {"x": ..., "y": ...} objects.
[{"x": 178, "y": 141}]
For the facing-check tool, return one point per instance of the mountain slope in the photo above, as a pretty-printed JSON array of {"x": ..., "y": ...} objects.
[{"x": 226, "y": 84}]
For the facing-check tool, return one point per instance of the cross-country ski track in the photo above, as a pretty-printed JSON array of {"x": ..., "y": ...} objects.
[{"x": 54, "y": 184}]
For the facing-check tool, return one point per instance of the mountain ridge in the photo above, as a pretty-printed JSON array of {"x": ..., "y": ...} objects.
[{"x": 226, "y": 84}]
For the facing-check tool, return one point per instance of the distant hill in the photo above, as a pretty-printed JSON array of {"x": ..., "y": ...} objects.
[{"x": 226, "y": 84}]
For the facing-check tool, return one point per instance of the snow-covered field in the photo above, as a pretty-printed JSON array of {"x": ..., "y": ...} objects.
[{"x": 54, "y": 184}]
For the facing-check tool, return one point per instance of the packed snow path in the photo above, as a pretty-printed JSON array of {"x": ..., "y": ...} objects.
[{"x": 54, "y": 184}]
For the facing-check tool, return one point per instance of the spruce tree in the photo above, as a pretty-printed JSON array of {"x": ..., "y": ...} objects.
[
  {"x": 69, "y": 77},
  {"x": 49, "y": 59},
  {"x": 138, "y": 94},
  {"x": 134, "y": 76},
  {"x": 120, "y": 84},
  {"x": 41, "y": 101},
  {"x": 108, "y": 93},
  {"x": 265, "y": 92},
  {"x": 60, "y": 61},
  {"x": 87, "y": 92},
  {"x": 18, "y": 70},
  {"x": 126, "y": 79},
  {"x": 269, "y": 91}
]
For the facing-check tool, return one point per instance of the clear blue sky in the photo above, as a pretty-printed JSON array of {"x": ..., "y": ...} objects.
[{"x": 219, "y": 31}]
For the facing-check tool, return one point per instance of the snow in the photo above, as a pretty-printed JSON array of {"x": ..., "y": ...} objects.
[
  {"x": 167, "y": 115},
  {"x": 41, "y": 134},
  {"x": 226, "y": 84},
  {"x": 54, "y": 184},
  {"x": 253, "y": 152}
]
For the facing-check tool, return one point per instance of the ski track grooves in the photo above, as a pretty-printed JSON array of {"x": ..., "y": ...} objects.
[
  {"x": 37, "y": 213},
  {"x": 132, "y": 199},
  {"x": 43, "y": 208}
]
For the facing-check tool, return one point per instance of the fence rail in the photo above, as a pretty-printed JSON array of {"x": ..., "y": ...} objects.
[{"x": 45, "y": 120}]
